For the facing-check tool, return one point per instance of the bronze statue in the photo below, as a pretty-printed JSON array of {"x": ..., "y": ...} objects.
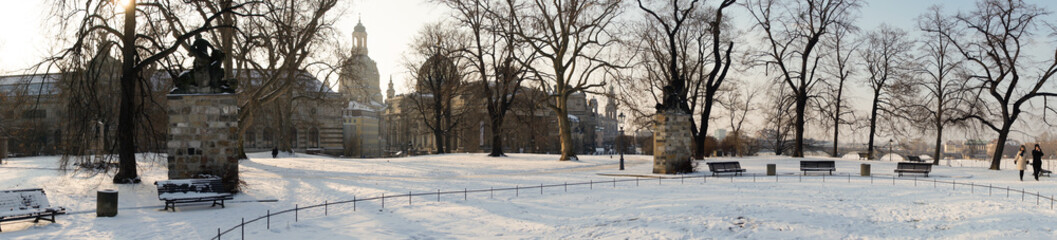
[{"x": 207, "y": 73}]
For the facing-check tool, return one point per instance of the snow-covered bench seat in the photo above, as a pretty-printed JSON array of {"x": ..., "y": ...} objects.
[
  {"x": 909, "y": 167},
  {"x": 864, "y": 156},
  {"x": 27, "y": 204},
  {"x": 192, "y": 190},
  {"x": 915, "y": 159},
  {"x": 725, "y": 167},
  {"x": 806, "y": 166}
]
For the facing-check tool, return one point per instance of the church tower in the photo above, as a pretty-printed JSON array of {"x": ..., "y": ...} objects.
[
  {"x": 389, "y": 94},
  {"x": 611, "y": 104},
  {"x": 359, "y": 77},
  {"x": 359, "y": 39}
]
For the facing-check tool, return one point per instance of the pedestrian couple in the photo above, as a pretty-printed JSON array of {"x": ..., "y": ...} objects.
[{"x": 1036, "y": 163}]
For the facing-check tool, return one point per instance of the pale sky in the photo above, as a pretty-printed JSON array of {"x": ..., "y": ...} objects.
[{"x": 391, "y": 24}]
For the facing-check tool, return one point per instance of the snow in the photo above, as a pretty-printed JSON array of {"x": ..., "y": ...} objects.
[{"x": 790, "y": 206}]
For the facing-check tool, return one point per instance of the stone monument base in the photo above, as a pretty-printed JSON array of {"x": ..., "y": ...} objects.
[
  {"x": 203, "y": 137},
  {"x": 671, "y": 143}
]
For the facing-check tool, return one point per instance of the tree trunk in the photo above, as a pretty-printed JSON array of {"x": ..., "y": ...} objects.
[
  {"x": 702, "y": 132},
  {"x": 996, "y": 159},
  {"x": 564, "y": 130},
  {"x": 438, "y": 140},
  {"x": 873, "y": 128},
  {"x": 497, "y": 138},
  {"x": 836, "y": 119},
  {"x": 126, "y": 124},
  {"x": 939, "y": 143},
  {"x": 801, "y": 107}
]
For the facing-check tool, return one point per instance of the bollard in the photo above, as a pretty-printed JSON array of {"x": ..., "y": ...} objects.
[
  {"x": 864, "y": 169},
  {"x": 106, "y": 203},
  {"x": 771, "y": 169}
]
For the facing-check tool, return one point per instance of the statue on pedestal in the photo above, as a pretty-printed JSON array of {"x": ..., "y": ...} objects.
[{"x": 207, "y": 73}]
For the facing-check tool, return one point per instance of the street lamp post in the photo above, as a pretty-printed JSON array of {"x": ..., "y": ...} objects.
[
  {"x": 889, "y": 150},
  {"x": 621, "y": 141}
]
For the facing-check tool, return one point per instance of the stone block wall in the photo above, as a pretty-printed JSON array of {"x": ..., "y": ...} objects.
[
  {"x": 203, "y": 137},
  {"x": 671, "y": 143}
]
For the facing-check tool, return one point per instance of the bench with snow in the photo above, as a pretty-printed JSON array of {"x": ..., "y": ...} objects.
[
  {"x": 1045, "y": 172},
  {"x": 725, "y": 167},
  {"x": 175, "y": 191},
  {"x": 909, "y": 167},
  {"x": 806, "y": 166},
  {"x": 27, "y": 204},
  {"x": 864, "y": 156},
  {"x": 915, "y": 159}
]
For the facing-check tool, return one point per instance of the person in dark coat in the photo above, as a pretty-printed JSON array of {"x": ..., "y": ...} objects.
[
  {"x": 275, "y": 152},
  {"x": 1036, "y": 161}
]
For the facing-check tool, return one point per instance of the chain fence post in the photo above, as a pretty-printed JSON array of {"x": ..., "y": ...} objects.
[
  {"x": 491, "y": 193},
  {"x": 541, "y": 189},
  {"x": 354, "y": 203},
  {"x": 383, "y": 200},
  {"x": 464, "y": 194},
  {"x": 517, "y": 190},
  {"x": 242, "y": 227},
  {"x": 438, "y": 195},
  {"x": 218, "y": 233},
  {"x": 409, "y": 198},
  {"x": 326, "y": 208},
  {"x": 268, "y": 219},
  {"x": 295, "y": 212}
]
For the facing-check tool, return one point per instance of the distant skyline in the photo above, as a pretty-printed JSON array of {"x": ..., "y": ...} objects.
[{"x": 392, "y": 24}]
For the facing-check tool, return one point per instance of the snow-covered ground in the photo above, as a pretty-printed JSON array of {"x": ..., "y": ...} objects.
[{"x": 790, "y": 206}]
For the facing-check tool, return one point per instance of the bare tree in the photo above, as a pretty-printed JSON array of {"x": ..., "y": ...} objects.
[
  {"x": 779, "y": 119},
  {"x": 496, "y": 58},
  {"x": 997, "y": 33},
  {"x": 887, "y": 60},
  {"x": 833, "y": 104},
  {"x": 572, "y": 38},
  {"x": 792, "y": 32},
  {"x": 740, "y": 103},
  {"x": 163, "y": 31},
  {"x": 943, "y": 91},
  {"x": 438, "y": 71},
  {"x": 273, "y": 51}
]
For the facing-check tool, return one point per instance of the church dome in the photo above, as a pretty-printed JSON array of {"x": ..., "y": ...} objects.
[
  {"x": 359, "y": 27},
  {"x": 438, "y": 70}
]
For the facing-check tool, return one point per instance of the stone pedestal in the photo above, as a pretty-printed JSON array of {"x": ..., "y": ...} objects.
[
  {"x": 864, "y": 170},
  {"x": 771, "y": 169},
  {"x": 106, "y": 203},
  {"x": 671, "y": 143},
  {"x": 203, "y": 137}
]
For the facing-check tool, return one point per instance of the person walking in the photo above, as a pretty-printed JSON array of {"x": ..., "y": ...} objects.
[
  {"x": 1021, "y": 161},
  {"x": 275, "y": 153},
  {"x": 1036, "y": 161}
]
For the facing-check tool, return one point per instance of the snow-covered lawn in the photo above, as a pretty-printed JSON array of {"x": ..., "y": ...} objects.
[{"x": 807, "y": 207}]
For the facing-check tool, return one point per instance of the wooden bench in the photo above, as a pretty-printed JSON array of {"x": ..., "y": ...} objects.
[
  {"x": 27, "y": 204},
  {"x": 806, "y": 166},
  {"x": 864, "y": 156},
  {"x": 910, "y": 167},
  {"x": 192, "y": 190},
  {"x": 725, "y": 167},
  {"x": 915, "y": 159}
]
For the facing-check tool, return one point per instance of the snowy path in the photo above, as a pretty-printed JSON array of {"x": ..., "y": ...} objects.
[{"x": 789, "y": 209}]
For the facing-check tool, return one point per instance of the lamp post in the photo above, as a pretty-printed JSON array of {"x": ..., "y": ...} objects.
[
  {"x": 889, "y": 150},
  {"x": 621, "y": 141}
]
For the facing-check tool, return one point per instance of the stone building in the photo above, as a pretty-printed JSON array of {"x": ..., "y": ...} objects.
[
  {"x": 529, "y": 126},
  {"x": 361, "y": 116}
]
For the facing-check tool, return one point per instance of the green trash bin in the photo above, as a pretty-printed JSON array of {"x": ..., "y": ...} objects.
[
  {"x": 864, "y": 170},
  {"x": 770, "y": 169}
]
